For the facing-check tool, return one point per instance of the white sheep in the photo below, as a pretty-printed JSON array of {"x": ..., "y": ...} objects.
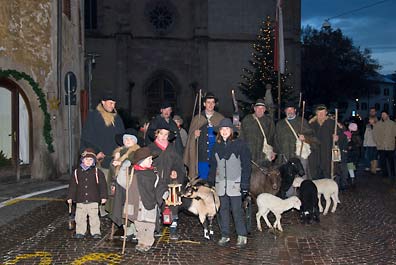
[
  {"x": 269, "y": 203},
  {"x": 327, "y": 187}
]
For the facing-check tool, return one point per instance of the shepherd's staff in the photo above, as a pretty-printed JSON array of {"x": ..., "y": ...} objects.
[
  {"x": 302, "y": 124},
  {"x": 195, "y": 104},
  {"x": 126, "y": 207},
  {"x": 335, "y": 151},
  {"x": 197, "y": 139}
]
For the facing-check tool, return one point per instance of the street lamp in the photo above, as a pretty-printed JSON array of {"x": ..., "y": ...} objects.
[{"x": 91, "y": 57}]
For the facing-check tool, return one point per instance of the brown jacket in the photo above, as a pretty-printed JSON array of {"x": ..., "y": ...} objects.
[{"x": 190, "y": 152}]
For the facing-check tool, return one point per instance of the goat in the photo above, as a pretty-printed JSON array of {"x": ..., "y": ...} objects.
[
  {"x": 327, "y": 187},
  {"x": 264, "y": 180},
  {"x": 269, "y": 203},
  {"x": 204, "y": 202},
  {"x": 288, "y": 172},
  {"x": 308, "y": 195}
]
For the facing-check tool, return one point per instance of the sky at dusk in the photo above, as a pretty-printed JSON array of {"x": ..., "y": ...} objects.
[{"x": 373, "y": 27}]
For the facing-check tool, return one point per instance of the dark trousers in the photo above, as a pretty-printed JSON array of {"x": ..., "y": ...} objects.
[
  {"x": 387, "y": 163},
  {"x": 232, "y": 205}
]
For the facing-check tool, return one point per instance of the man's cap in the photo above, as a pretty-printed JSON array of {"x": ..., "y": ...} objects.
[
  {"x": 260, "y": 102},
  {"x": 209, "y": 95},
  {"x": 165, "y": 104}
]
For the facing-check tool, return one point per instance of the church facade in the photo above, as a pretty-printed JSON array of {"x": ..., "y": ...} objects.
[{"x": 150, "y": 51}]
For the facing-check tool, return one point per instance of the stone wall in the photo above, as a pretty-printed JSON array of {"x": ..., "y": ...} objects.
[{"x": 28, "y": 43}]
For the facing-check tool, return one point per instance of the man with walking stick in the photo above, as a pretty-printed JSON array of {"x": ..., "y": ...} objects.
[{"x": 201, "y": 138}]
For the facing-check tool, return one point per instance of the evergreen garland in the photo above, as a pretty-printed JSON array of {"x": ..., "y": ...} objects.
[{"x": 41, "y": 98}]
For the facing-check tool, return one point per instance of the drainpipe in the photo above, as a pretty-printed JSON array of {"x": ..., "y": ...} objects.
[{"x": 59, "y": 49}]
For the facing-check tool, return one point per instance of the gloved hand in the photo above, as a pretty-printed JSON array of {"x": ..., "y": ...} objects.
[{"x": 244, "y": 193}]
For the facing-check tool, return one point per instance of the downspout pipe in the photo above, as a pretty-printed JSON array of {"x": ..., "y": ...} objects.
[{"x": 59, "y": 50}]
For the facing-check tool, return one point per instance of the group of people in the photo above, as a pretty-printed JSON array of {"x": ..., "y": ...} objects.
[{"x": 115, "y": 160}]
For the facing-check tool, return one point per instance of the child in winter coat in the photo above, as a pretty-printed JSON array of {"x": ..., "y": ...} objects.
[
  {"x": 87, "y": 188},
  {"x": 354, "y": 145},
  {"x": 230, "y": 170},
  {"x": 146, "y": 192},
  {"x": 128, "y": 145}
]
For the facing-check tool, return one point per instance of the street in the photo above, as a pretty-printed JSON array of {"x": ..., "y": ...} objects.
[{"x": 361, "y": 231}]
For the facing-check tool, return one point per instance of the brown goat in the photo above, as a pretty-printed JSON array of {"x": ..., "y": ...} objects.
[
  {"x": 204, "y": 202},
  {"x": 264, "y": 180}
]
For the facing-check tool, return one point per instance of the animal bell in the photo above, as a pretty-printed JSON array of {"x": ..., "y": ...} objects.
[{"x": 167, "y": 216}]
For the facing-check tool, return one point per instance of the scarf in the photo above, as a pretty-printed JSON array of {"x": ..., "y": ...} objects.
[{"x": 161, "y": 146}]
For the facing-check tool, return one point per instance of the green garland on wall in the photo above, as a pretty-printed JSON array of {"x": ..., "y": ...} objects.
[{"x": 41, "y": 98}]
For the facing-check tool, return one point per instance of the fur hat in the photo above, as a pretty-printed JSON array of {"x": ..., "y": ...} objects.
[
  {"x": 209, "y": 95},
  {"x": 260, "y": 102},
  {"x": 89, "y": 152},
  {"x": 141, "y": 154},
  {"x": 225, "y": 123}
]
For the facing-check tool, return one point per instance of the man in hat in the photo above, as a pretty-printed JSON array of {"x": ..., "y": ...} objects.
[
  {"x": 323, "y": 128},
  {"x": 285, "y": 139},
  {"x": 201, "y": 135},
  {"x": 99, "y": 131},
  {"x": 254, "y": 129},
  {"x": 165, "y": 116}
]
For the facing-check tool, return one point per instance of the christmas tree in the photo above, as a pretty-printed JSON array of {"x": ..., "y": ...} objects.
[{"x": 263, "y": 74}]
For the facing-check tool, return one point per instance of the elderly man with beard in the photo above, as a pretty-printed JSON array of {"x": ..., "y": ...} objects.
[
  {"x": 256, "y": 127},
  {"x": 99, "y": 132},
  {"x": 165, "y": 117},
  {"x": 323, "y": 127},
  {"x": 285, "y": 140}
]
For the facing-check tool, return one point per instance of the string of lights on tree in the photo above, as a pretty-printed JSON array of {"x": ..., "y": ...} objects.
[{"x": 262, "y": 70}]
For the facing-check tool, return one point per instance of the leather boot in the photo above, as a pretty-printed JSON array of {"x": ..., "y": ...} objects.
[{"x": 373, "y": 168}]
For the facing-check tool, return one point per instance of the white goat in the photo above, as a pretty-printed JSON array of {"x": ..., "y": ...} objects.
[
  {"x": 327, "y": 187},
  {"x": 269, "y": 203}
]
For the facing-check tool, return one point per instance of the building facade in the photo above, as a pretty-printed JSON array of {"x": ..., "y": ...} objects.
[
  {"x": 40, "y": 41},
  {"x": 156, "y": 50}
]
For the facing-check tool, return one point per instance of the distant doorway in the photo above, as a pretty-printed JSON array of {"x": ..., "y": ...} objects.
[
  {"x": 161, "y": 88},
  {"x": 15, "y": 130}
]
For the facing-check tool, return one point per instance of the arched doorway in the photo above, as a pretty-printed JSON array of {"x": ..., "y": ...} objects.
[
  {"x": 15, "y": 130},
  {"x": 161, "y": 88}
]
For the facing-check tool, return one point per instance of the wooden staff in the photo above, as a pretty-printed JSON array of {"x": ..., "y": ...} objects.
[
  {"x": 195, "y": 105},
  {"x": 334, "y": 144},
  {"x": 126, "y": 208},
  {"x": 302, "y": 124},
  {"x": 197, "y": 139}
]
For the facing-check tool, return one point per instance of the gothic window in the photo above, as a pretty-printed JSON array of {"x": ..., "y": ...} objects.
[
  {"x": 91, "y": 13},
  {"x": 67, "y": 8},
  {"x": 160, "y": 89},
  {"x": 161, "y": 15},
  {"x": 386, "y": 107},
  {"x": 364, "y": 106},
  {"x": 386, "y": 91}
]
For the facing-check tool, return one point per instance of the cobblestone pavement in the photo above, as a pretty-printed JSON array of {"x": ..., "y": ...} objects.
[{"x": 361, "y": 231}]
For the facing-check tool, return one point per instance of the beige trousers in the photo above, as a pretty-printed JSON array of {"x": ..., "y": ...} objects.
[
  {"x": 82, "y": 211},
  {"x": 145, "y": 233}
]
